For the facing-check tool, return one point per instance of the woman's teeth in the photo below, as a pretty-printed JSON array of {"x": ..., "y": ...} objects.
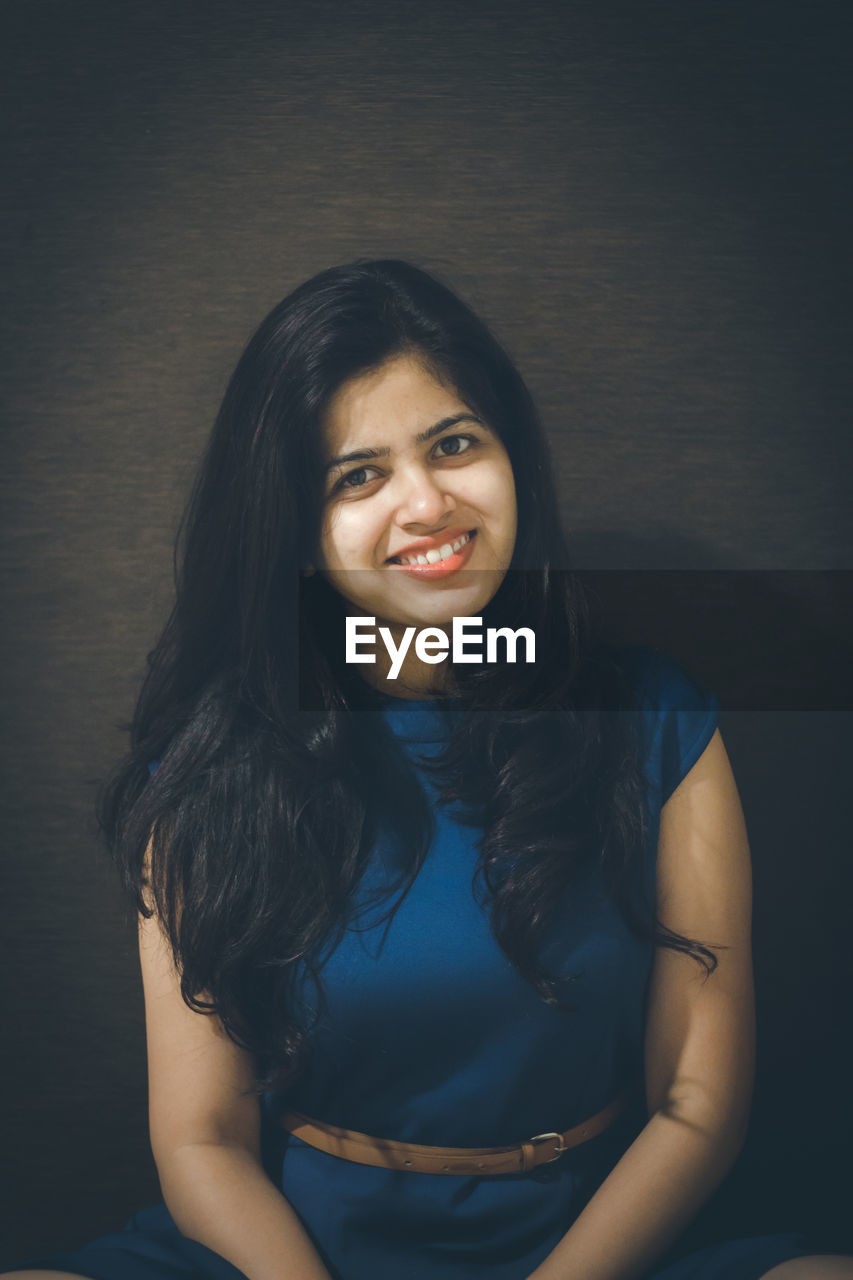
[{"x": 433, "y": 556}]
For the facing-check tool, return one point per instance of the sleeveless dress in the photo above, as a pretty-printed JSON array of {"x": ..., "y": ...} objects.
[{"x": 430, "y": 1036}]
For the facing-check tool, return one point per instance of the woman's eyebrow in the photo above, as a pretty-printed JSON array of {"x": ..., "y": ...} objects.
[{"x": 363, "y": 455}]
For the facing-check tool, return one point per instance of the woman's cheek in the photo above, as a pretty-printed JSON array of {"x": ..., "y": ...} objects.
[
  {"x": 337, "y": 529},
  {"x": 356, "y": 535},
  {"x": 497, "y": 494}
]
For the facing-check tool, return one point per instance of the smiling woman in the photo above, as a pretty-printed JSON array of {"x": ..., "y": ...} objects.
[
  {"x": 446, "y": 967},
  {"x": 432, "y": 502}
]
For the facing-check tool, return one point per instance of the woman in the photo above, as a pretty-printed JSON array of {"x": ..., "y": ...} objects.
[{"x": 470, "y": 937}]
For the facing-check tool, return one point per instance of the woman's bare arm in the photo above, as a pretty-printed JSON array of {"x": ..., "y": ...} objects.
[
  {"x": 699, "y": 1042},
  {"x": 205, "y": 1133}
]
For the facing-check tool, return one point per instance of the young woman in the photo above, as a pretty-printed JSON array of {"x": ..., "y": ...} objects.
[{"x": 471, "y": 938}]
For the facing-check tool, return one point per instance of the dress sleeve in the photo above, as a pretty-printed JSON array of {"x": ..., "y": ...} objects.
[{"x": 679, "y": 715}]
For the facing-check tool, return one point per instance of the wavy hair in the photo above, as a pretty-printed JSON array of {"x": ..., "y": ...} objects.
[{"x": 251, "y": 837}]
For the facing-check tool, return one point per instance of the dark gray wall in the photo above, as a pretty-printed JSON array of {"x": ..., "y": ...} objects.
[{"x": 651, "y": 204}]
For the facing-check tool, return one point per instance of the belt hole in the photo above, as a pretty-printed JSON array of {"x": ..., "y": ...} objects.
[
  {"x": 446, "y": 1167},
  {"x": 481, "y": 1166},
  {"x": 407, "y": 1162}
]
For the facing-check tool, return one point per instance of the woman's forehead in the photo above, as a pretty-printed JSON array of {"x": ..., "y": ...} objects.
[{"x": 395, "y": 400}]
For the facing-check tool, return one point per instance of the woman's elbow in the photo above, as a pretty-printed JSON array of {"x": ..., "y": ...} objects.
[
  {"x": 175, "y": 1143},
  {"x": 719, "y": 1118}
]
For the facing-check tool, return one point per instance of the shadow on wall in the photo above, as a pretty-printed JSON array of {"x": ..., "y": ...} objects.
[{"x": 762, "y": 639}]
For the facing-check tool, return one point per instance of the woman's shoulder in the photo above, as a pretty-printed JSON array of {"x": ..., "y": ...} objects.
[{"x": 679, "y": 713}]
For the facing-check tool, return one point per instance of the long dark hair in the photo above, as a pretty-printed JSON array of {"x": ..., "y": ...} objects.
[{"x": 251, "y": 836}]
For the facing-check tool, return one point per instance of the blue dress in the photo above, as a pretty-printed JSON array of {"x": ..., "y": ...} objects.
[{"x": 430, "y": 1036}]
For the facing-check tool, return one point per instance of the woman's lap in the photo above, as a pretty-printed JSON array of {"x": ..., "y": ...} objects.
[
  {"x": 151, "y": 1248},
  {"x": 745, "y": 1259}
]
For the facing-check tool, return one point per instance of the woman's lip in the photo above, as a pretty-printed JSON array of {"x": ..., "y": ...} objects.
[{"x": 441, "y": 568}]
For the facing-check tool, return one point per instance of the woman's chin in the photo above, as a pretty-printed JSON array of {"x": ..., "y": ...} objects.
[{"x": 422, "y": 603}]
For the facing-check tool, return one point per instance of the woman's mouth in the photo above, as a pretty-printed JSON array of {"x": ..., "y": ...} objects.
[{"x": 438, "y": 562}]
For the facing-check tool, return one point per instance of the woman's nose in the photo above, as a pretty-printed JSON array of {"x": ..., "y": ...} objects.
[{"x": 422, "y": 498}]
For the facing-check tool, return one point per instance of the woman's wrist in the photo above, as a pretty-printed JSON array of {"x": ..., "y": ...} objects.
[
  {"x": 647, "y": 1200},
  {"x": 220, "y": 1196}
]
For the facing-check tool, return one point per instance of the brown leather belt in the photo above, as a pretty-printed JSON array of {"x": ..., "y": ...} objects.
[{"x": 384, "y": 1153}]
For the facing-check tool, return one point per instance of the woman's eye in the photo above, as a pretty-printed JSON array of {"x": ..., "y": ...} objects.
[
  {"x": 452, "y": 446},
  {"x": 356, "y": 479},
  {"x": 447, "y": 447}
]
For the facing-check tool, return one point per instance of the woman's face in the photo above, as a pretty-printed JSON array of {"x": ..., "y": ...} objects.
[{"x": 413, "y": 474}]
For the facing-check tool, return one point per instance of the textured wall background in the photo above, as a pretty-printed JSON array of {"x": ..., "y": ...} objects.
[{"x": 651, "y": 204}]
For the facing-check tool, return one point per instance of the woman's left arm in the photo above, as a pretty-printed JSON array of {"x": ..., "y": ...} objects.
[{"x": 699, "y": 1041}]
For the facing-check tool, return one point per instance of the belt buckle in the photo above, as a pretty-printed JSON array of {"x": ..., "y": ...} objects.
[{"x": 549, "y": 1137}]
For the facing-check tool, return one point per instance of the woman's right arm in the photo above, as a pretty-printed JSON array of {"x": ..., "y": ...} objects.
[{"x": 205, "y": 1133}]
